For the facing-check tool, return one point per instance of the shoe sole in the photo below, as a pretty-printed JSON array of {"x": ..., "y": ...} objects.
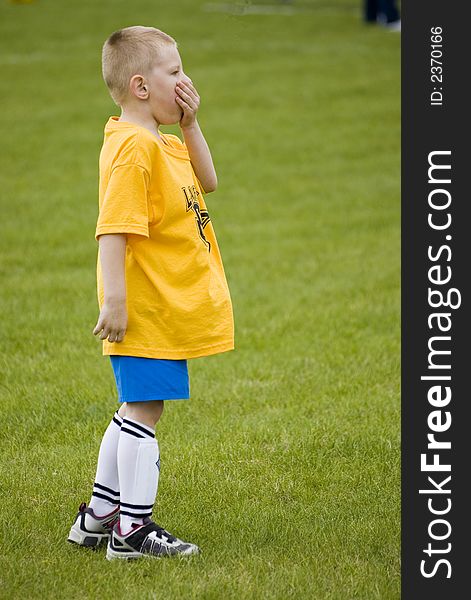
[
  {"x": 132, "y": 555},
  {"x": 112, "y": 555}
]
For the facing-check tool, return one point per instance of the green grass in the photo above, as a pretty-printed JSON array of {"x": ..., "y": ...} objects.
[{"x": 284, "y": 465}]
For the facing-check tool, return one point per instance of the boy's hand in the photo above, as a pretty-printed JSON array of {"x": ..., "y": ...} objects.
[
  {"x": 188, "y": 100},
  {"x": 112, "y": 322}
]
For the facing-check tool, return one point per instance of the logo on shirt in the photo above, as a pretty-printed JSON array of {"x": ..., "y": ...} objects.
[{"x": 201, "y": 216}]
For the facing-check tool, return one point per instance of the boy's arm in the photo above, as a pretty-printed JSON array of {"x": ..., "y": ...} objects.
[
  {"x": 198, "y": 149},
  {"x": 113, "y": 315},
  {"x": 200, "y": 157}
]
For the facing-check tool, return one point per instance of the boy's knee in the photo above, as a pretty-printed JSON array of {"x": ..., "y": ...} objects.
[{"x": 145, "y": 412}]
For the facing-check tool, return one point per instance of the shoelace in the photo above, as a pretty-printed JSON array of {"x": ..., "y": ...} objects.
[{"x": 161, "y": 531}]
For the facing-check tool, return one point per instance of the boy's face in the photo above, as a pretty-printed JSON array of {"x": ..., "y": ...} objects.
[{"x": 162, "y": 82}]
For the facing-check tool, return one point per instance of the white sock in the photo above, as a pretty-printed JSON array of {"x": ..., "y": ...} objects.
[
  {"x": 138, "y": 468},
  {"x": 105, "y": 497}
]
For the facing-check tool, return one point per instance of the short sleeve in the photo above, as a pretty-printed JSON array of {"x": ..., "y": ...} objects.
[{"x": 125, "y": 206}]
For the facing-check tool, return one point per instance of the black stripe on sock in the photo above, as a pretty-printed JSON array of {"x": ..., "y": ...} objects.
[
  {"x": 137, "y": 506},
  {"x": 130, "y": 514},
  {"x": 138, "y": 435},
  {"x": 107, "y": 498},
  {"x": 105, "y": 489},
  {"x": 139, "y": 427}
]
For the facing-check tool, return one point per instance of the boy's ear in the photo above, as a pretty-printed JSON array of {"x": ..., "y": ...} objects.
[{"x": 138, "y": 87}]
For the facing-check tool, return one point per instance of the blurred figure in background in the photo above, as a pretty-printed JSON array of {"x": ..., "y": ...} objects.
[{"x": 384, "y": 12}]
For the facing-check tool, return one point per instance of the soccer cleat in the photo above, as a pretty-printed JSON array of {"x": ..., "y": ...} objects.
[
  {"x": 148, "y": 539},
  {"x": 89, "y": 529},
  {"x": 394, "y": 25}
]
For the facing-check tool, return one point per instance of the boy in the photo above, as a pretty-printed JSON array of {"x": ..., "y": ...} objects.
[{"x": 162, "y": 290}]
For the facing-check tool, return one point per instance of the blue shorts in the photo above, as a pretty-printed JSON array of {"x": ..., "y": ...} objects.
[{"x": 140, "y": 379}]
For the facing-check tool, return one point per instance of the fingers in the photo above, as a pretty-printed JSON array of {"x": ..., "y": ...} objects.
[
  {"x": 187, "y": 104},
  {"x": 188, "y": 94},
  {"x": 182, "y": 102},
  {"x": 118, "y": 337},
  {"x": 186, "y": 98},
  {"x": 188, "y": 82},
  {"x": 189, "y": 86},
  {"x": 98, "y": 327},
  {"x": 107, "y": 332},
  {"x": 113, "y": 336},
  {"x": 190, "y": 90}
]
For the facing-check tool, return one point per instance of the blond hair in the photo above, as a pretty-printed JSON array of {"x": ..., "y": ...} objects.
[{"x": 130, "y": 51}]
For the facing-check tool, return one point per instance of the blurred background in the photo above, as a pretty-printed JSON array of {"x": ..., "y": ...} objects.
[{"x": 284, "y": 465}]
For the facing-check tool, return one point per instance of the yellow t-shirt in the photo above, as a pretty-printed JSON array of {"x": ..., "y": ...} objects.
[{"x": 178, "y": 300}]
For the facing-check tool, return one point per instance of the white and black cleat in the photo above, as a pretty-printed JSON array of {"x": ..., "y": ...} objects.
[
  {"x": 90, "y": 530},
  {"x": 147, "y": 540}
]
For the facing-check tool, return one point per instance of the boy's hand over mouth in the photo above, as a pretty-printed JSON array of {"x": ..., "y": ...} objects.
[{"x": 189, "y": 101}]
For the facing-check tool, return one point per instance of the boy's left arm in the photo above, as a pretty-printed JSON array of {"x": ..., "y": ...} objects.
[{"x": 200, "y": 156}]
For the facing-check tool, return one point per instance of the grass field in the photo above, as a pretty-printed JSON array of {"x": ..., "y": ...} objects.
[{"x": 284, "y": 465}]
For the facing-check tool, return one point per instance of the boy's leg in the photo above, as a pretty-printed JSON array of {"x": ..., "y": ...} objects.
[
  {"x": 370, "y": 10},
  {"x": 105, "y": 497},
  {"x": 93, "y": 523},
  {"x": 138, "y": 462},
  {"x": 389, "y": 10}
]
